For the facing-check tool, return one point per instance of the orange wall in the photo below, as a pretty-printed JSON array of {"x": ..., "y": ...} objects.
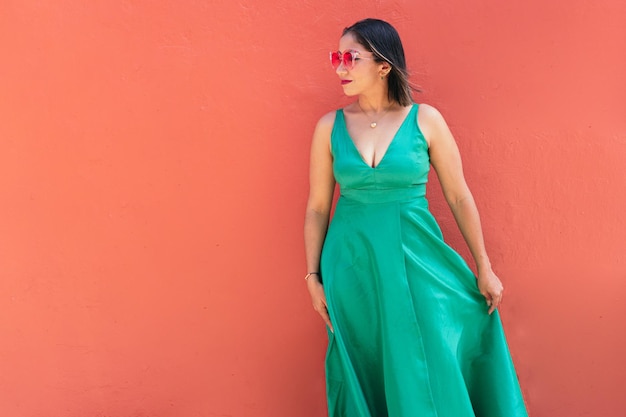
[{"x": 153, "y": 176}]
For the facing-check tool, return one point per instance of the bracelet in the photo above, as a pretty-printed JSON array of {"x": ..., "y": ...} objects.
[{"x": 307, "y": 276}]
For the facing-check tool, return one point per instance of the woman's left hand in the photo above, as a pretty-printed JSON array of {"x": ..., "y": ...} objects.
[{"x": 491, "y": 288}]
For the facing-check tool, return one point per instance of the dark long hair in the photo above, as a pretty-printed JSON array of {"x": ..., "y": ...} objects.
[{"x": 383, "y": 41}]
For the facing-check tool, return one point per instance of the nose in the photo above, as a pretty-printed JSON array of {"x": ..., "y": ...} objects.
[{"x": 341, "y": 69}]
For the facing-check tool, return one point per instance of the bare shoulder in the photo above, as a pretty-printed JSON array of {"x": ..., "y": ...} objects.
[
  {"x": 323, "y": 130},
  {"x": 429, "y": 116},
  {"x": 431, "y": 122},
  {"x": 326, "y": 122}
]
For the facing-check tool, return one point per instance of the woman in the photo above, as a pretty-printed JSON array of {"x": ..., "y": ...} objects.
[{"x": 412, "y": 331}]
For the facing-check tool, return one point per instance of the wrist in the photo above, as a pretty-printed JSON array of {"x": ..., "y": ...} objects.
[
  {"x": 483, "y": 265},
  {"x": 312, "y": 274}
]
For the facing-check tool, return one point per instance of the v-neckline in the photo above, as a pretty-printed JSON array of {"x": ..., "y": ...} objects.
[{"x": 393, "y": 139}]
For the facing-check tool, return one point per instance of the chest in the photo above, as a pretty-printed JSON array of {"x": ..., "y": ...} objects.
[{"x": 372, "y": 140}]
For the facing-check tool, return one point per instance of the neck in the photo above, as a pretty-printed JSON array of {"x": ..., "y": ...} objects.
[{"x": 374, "y": 105}]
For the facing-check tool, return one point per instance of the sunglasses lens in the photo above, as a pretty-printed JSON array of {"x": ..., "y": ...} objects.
[
  {"x": 335, "y": 59},
  {"x": 348, "y": 60}
]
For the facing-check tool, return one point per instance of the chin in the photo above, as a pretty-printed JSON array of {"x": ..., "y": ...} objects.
[{"x": 348, "y": 92}]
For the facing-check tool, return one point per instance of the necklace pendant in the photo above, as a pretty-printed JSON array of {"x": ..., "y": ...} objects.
[{"x": 373, "y": 125}]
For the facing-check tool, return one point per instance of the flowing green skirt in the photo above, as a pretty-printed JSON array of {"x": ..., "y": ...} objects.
[{"x": 412, "y": 334}]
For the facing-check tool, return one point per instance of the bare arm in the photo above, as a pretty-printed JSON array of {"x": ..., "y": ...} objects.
[
  {"x": 321, "y": 189},
  {"x": 446, "y": 159}
]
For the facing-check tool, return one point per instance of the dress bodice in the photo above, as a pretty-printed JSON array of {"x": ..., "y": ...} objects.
[{"x": 401, "y": 174}]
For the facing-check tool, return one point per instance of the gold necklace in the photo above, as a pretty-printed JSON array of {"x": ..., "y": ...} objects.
[{"x": 373, "y": 124}]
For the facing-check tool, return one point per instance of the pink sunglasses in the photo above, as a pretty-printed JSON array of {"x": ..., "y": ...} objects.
[{"x": 348, "y": 59}]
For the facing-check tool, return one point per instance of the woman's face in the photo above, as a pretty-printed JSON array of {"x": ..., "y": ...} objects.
[{"x": 365, "y": 72}]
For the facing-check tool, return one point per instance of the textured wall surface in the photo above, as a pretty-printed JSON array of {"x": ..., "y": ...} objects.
[{"x": 153, "y": 177}]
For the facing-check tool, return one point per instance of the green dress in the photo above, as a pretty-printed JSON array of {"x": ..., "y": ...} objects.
[{"x": 412, "y": 337}]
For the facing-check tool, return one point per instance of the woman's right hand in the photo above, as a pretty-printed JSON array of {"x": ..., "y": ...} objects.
[{"x": 316, "y": 289}]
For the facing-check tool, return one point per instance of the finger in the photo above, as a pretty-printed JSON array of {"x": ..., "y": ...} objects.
[
  {"x": 489, "y": 301},
  {"x": 324, "y": 313},
  {"x": 497, "y": 299},
  {"x": 326, "y": 317}
]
